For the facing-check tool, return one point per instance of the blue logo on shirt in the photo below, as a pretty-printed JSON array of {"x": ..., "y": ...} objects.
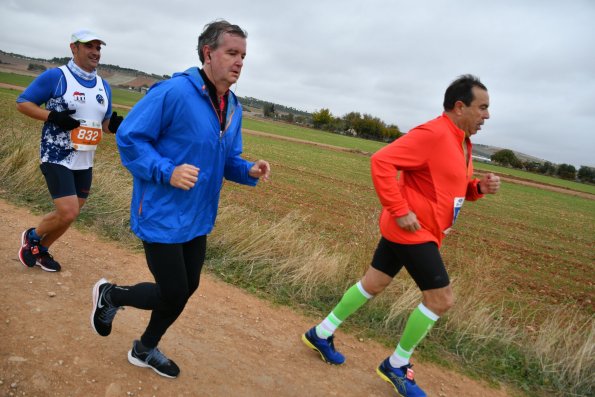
[{"x": 100, "y": 99}]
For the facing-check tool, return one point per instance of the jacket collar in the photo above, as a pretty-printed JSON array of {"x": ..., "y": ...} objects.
[
  {"x": 194, "y": 76},
  {"x": 459, "y": 133}
]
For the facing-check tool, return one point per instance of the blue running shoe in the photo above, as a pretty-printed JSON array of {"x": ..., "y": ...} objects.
[
  {"x": 325, "y": 347},
  {"x": 400, "y": 378}
]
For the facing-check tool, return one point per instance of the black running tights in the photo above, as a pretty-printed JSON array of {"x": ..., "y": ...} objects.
[{"x": 176, "y": 269}]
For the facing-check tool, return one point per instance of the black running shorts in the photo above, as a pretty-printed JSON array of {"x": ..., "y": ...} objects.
[
  {"x": 63, "y": 182},
  {"x": 422, "y": 261}
]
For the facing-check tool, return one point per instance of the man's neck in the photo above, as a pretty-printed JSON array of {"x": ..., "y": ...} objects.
[
  {"x": 220, "y": 88},
  {"x": 82, "y": 73},
  {"x": 455, "y": 120}
]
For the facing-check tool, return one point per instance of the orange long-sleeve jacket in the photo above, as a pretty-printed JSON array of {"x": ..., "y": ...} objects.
[{"x": 424, "y": 171}]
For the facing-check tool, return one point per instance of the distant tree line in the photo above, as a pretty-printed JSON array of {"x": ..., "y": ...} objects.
[
  {"x": 354, "y": 124},
  {"x": 35, "y": 67},
  {"x": 508, "y": 158}
]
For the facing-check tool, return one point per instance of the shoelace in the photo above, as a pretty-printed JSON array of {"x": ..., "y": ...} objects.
[
  {"x": 157, "y": 356},
  {"x": 46, "y": 255},
  {"x": 401, "y": 380},
  {"x": 331, "y": 342},
  {"x": 108, "y": 313}
]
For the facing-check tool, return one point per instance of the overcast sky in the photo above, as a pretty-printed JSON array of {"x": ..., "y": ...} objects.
[{"x": 392, "y": 59}]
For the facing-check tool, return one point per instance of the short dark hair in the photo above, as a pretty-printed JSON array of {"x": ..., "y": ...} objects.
[
  {"x": 461, "y": 90},
  {"x": 212, "y": 33}
]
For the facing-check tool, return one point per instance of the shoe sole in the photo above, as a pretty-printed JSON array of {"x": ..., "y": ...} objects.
[
  {"x": 95, "y": 295},
  {"x": 135, "y": 361},
  {"x": 47, "y": 269},
  {"x": 20, "y": 254},
  {"x": 311, "y": 346}
]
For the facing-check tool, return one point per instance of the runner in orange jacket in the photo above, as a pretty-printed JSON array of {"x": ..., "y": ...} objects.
[
  {"x": 422, "y": 180},
  {"x": 436, "y": 178}
]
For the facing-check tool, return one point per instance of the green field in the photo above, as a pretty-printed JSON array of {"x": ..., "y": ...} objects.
[
  {"x": 548, "y": 180},
  {"x": 318, "y": 136},
  {"x": 125, "y": 97},
  {"x": 522, "y": 262},
  {"x": 367, "y": 146},
  {"x": 15, "y": 79}
]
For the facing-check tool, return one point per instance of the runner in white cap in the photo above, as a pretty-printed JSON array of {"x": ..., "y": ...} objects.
[{"x": 78, "y": 110}]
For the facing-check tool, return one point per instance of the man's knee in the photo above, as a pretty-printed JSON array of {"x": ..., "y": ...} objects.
[
  {"x": 439, "y": 300},
  {"x": 69, "y": 214},
  {"x": 67, "y": 209},
  {"x": 375, "y": 281}
]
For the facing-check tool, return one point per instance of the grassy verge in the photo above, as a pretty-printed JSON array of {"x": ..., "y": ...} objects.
[{"x": 521, "y": 262}]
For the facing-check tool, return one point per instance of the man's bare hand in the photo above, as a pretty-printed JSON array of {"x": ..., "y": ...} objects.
[
  {"x": 409, "y": 222},
  {"x": 260, "y": 169},
  {"x": 489, "y": 183},
  {"x": 184, "y": 176}
]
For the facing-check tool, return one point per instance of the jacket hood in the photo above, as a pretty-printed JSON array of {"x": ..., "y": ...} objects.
[{"x": 192, "y": 74}]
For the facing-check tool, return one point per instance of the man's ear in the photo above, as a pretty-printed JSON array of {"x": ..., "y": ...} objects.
[
  {"x": 207, "y": 53},
  {"x": 458, "y": 108}
]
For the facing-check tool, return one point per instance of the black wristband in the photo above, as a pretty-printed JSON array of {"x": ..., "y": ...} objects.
[{"x": 478, "y": 189}]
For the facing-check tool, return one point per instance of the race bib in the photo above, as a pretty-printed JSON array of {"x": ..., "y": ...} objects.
[
  {"x": 457, "y": 205},
  {"x": 87, "y": 136}
]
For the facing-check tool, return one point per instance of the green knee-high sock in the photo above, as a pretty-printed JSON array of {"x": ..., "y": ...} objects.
[
  {"x": 418, "y": 325},
  {"x": 353, "y": 299}
]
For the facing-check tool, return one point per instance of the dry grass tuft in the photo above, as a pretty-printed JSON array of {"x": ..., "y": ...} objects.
[
  {"x": 565, "y": 346},
  {"x": 278, "y": 249}
]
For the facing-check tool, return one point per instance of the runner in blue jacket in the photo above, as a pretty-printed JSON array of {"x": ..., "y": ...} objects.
[
  {"x": 179, "y": 143},
  {"x": 176, "y": 123}
]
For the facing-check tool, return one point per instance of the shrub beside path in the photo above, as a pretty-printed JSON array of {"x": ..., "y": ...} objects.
[{"x": 227, "y": 342}]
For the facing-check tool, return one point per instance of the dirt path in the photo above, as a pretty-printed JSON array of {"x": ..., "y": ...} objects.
[{"x": 227, "y": 342}]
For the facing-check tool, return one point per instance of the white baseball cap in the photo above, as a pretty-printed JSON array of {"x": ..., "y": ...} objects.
[{"x": 85, "y": 36}]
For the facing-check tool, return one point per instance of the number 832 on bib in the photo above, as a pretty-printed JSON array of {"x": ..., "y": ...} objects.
[{"x": 87, "y": 136}]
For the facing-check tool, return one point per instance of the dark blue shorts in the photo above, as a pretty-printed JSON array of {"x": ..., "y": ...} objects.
[
  {"x": 422, "y": 261},
  {"x": 63, "y": 182}
]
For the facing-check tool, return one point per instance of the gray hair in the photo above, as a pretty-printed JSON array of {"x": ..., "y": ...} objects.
[{"x": 212, "y": 33}]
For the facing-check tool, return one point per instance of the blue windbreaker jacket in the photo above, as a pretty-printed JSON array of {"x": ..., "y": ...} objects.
[{"x": 176, "y": 123}]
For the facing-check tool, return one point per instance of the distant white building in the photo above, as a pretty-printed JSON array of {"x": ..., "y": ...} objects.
[{"x": 481, "y": 158}]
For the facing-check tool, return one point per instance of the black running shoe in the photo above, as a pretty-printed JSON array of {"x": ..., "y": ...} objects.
[
  {"x": 47, "y": 262},
  {"x": 29, "y": 249},
  {"x": 103, "y": 312},
  {"x": 142, "y": 356}
]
